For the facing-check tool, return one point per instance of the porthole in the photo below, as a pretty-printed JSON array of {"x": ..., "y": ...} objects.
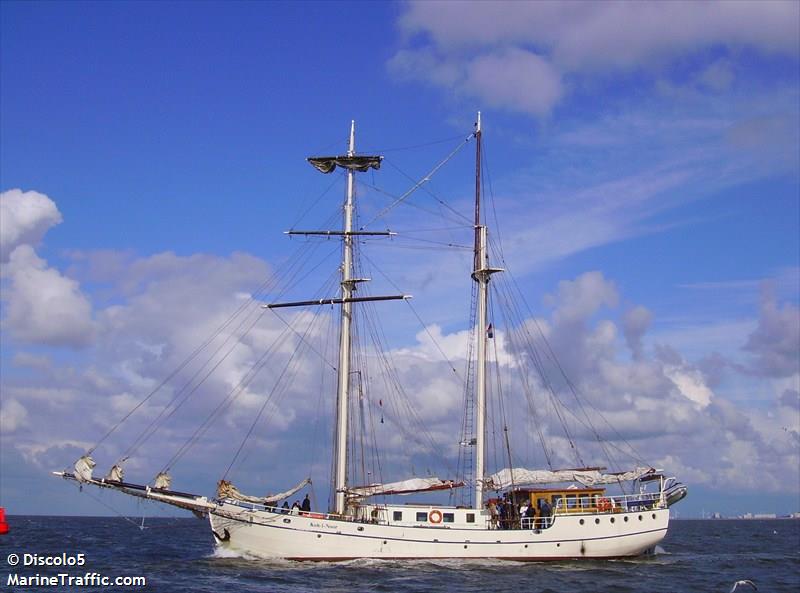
[
  {"x": 287, "y": 520},
  {"x": 558, "y": 545},
  {"x": 360, "y": 528},
  {"x": 526, "y": 545},
  {"x": 640, "y": 517},
  {"x": 582, "y": 521},
  {"x": 319, "y": 535},
  {"x": 625, "y": 519},
  {"x": 384, "y": 542},
  {"x": 465, "y": 547},
  {"x": 654, "y": 515},
  {"x": 597, "y": 521},
  {"x": 612, "y": 519}
]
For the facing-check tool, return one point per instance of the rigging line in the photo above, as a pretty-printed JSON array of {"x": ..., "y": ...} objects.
[
  {"x": 436, "y": 230},
  {"x": 419, "y": 183},
  {"x": 636, "y": 454},
  {"x": 415, "y": 146},
  {"x": 229, "y": 398},
  {"x": 529, "y": 397},
  {"x": 416, "y": 314},
  {"x": 262, "y": 287},
  {"x": 431, "y": 241},
  {"x": 436, "y": 213},
  {"x": 300, "y": 337},
  {"x": 460, "y": 216},
  {"x": 316, "y": 429},
  {"x": 429, "y": 248},
  {"x": 267, "y": 400},
  {"x": 184, "y": 393},
  {"x": 234, "y": 393},
  {"x": 535, "y": 357},
  {"x": 485, "y": 162},
  {"x": 500, "y": 395},
  {"x": 316, "y": 201},
  {"x": 385, "y": 357},
  {"x": 282, "y": 386},
  {"x": 293, "y": 281},
  {"x": 108, "y": 506}
]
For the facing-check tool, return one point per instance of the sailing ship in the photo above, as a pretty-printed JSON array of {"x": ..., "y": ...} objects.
[{"x": 514, "y": 513}]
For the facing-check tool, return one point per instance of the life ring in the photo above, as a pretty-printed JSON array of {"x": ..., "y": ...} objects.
[
  {"x": 435, "y": 517},
  {"x": 603, "y": 504}
]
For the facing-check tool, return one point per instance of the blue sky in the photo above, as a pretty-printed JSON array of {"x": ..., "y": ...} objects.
[{"x": 644, "y": 162}]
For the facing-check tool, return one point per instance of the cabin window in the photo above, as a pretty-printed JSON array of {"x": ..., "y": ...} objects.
[
  {"x": 470, "y": 517},
  {"x": 397, "y": 516},
  {"x": 556, "y": 498},
  {"x": 448, "y": 517},
  {"x": 585, "y": 502},
  {"x": 572, "y": 501},
  {"x": 422, "y": 516}
]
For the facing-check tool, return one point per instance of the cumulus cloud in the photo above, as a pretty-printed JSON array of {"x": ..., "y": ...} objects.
[
  {"x": 775, "y": 344},
  {"x": 165, "y": 305},
  {"x": 635, "y": 324},
  {"x": 544, "y": 41},
  {"x": 13, "y": 415},
  {"x": 41, "y": 305},
  {"x": 24, "y": 219},
  {"x": 580, "y": 298}
]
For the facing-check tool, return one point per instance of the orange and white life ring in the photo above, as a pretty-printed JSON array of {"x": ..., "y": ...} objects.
[
  {"x": 603, "y": 504},
  {"x": 435, "y": 517}
]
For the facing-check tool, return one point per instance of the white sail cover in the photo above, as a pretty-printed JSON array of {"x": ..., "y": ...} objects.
[
  {"x": 83, "y": 468},
  {"x": 587, "y": 477},
  {"x": 163, "y": 481},
  {"x": 405, "y": 487},
  {"x": 115, "y": 474},
  {"x": 226, "y": 489}
]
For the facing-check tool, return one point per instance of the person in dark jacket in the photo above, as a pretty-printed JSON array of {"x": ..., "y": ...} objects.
[{"x": 306, "y": 506}]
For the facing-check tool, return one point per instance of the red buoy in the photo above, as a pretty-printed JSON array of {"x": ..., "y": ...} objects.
[{"x": 3, "y": 524}]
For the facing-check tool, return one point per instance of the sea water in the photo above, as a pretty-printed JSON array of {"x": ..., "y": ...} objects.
[{"x": 178, "y": 555}]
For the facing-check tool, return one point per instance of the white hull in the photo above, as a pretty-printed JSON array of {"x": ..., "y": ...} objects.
[{"x": 297, "y": 537}]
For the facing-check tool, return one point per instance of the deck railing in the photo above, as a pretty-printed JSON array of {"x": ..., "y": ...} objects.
[{"x": 620, "y": 503}]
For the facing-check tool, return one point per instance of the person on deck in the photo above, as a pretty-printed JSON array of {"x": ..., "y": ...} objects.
[
  {"x": 546, "y": 511},
  {"x": 502, "y": 509},
  {"x": 530, "y": 517},
  {"x": 306, "y": 506},
  {"x": 296, "y": 507},
  {"x": 493, "y": 513},
  {"x": 285, "y": 507}
]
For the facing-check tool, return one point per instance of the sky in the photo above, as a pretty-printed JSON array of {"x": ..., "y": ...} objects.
[{"x": 642, "y": 160}]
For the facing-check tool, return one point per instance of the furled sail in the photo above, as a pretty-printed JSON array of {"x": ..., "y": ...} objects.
[
  {"x": 115, "y": 474},
  {"x": 83, "y": 468},
  {"x": 163, "y": 481},
  {"x": 226, "y": 489},
  {"x": 326, "y": 164},
  {"x": 405, "y": 487},
  {"x": 586, "y": 476}
]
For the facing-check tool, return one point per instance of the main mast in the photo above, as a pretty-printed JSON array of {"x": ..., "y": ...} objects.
[
  {"x": 481, "y": 274},
  {"x": 343, "y": 389}
]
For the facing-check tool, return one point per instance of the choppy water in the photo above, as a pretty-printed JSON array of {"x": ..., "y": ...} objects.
[{"x": 178, "y": 555}]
